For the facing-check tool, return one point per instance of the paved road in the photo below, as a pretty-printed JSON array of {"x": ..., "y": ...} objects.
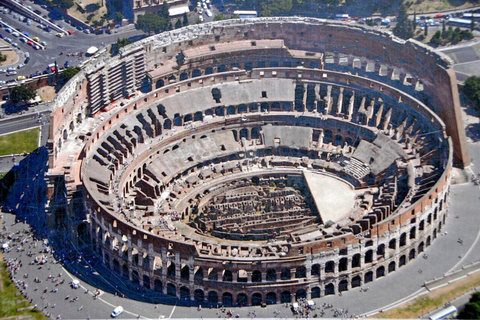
[{"x": 466, "y": 58}]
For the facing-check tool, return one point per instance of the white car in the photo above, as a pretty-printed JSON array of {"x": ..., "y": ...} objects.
[
  {"x": 117, "y": 311},
  {"x": 23, "y": 39},
  {"x": 15, "y": 44},
  {"x": 20, "y": 65},
  {"x": 208, "y": 13},
  {"x": 16, "y": 34}
]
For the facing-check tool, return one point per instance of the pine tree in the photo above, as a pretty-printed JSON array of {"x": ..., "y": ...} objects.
[
  {"x": 404, "y": 27},
  {"x": 185, "y": 19}
]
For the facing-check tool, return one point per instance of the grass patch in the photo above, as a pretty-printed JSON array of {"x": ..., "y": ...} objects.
[
  {"x": 432, "y": 300},
  {"x": 19, "y": 142},
  {"x": 8, "y": 300}
]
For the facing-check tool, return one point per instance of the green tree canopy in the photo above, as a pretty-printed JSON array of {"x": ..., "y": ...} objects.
[
  {"x": 471, "y": 89},
  {"x": 151, "y": 22},
  {"x": 68, "y": 73},
  {"x": 64, "y": 4},
  {"x": 22, "y": 93},
  {"x": 404, "y": 27},
  {"x": 275, "y": 7}
]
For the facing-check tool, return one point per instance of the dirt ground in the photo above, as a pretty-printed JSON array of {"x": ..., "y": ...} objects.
[
  {"x": 12, "y": 57},
  {"x": 47, "y": 93}
]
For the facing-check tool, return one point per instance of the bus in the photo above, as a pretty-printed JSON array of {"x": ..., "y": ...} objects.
[
  {"x": 466, "y": 23},
  {"x": 447, "y": 313}
]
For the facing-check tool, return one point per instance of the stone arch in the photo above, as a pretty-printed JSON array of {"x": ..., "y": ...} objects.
[
  {"x": 146, "y": 281},
  {"x": 171, "y": 269},
  {"x": 381, "y": 250},
  {"x": 315, "y": 292},
  {"x": 255, "y": 133},
  {"x": 220, "y": 111},
  {"x": 196, "y": 73},
  {"x": 380, "y": 272},
  {"x": 160, "y": 83},
  {"x": 402, "y": 261},
  {"x": 184, "y": 293},
  {"x": 271, "y": 298},
  {"x": 167, "y": 124},
  {"x": 198, "y": 296},
  {"x": 187, "y": 118},
  {"x": 356, "y": 281},
  {"x": 158, "y": 285},
  {"x": 421, "y": 247},
  {"x": 264, "y": 107},
  {"x": 301, "y": 294},
  {"x": 369, "y": 256},
  {"x": 244, "y": 133},
  {"x": 212, "y": 274},
  {"x": 227, "y": 276},
  {"x": 391, "y": 266},
  {"x": 125, "y": 271},
  {"x": 256, "y": 276},
  {"x": 286, "y": 297},
  {"x": 198, "y": 275},
  {"x": 411, "y": 254},
  {"x": 330, "y": 267},
  {"x": 428, "y": 242},
  {"x": 116, "y": 266},
  {"x": 403, "y": 239},
  {"x": 271, "y": 275},
  {"x": 315, "y": 270},
  {"x": 413, "y": 232},
  {"x": 301, "y": 272},
  {"x": 198, "y": 116},
  {"x": 65, "y": 134},
  {"x": 185, "y": 273},
  {"x": 208, "y": 70},
  {"x": 329, "y": 289},
  {"x": 242, "y": 108},
  {"x": 213, "y": 297},
  {"x": 338, "y": 140},
  {"x": 356, "y": 259},
  {"x": 231, "y": 110},
  {"x": 392, "y": 244},
  {"x": 285, "y": 275},
  {"x": 256, "y": 299},
  {"x": 183, "y": 76},
  {"x": 171, "y": 290},
  {"x": 343, "y": 264},
  {"x": 242, "y": 299},
  {"x": 343, "y": 285},
  {"x": 328, "y": 136},
  {"x": 227, "y": 299},
  {"x": 135, "y": 277},
  {"x": 368, "y": 277}
]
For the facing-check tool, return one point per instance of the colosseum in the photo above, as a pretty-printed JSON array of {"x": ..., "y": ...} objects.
[{"x": 255, "y": 162}]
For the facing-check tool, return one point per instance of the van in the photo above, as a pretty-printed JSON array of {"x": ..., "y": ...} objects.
[{"x": 117, "y": 311}]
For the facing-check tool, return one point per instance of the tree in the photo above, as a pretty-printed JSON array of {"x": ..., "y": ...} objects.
[
  {"x": 22, "y": 93},
  {"x": 425, "y": 31},
  {"x": 219, "y": 17},
  {"x": 64, "y": 4},
  {"x": 436, "y": 39},
  {"x": 178, "y": 24},
  {"x": 185, "y": 20},
  {"x": 3, "y": 57},
  {"x": 471, "y": 311},
  {"x": 414, "y": 20},
  {"x": 164, "y": 10},
  {"x": 151, "y": 22},
  {"x": 404, "y": 27},
  {"x": 275, "y": 7},
  {"x": 444, "y": 28},
  {"x": 68, "y": 73},
  {"x": 471, "y": 89},
  {"x": 119, "y": 17}
]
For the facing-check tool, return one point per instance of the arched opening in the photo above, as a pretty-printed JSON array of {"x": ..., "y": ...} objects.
[
  {"x": 343, "y": 264},
  {"x": 391, "y": 266},
  {"x": 392, "y": 244},
  {"x": 256, "y": 276},
  {"x": 381, "y": 250},
  {"x": 198, "y": 116},
  {"x": 428, "y": 242},
  {"x": 300, "y": 272},
  {"x": 380, "y": 272},
  {"x": 329, "y": 289},
  {"x": 412, "y": 233},
  {"x": 244, "y": 133},
  {"x": 198, "y": 296},
  {"x": 271, "y": 275},
  {"x": 227, "y": 299},
  {"x": 125, "y": 271},
  {"x": 160, "y": 83},
  {"x": 184, "y": 293},
  {"x": 330, "y": 267},
  {"x": 328, "y": 137},
  {"x": 411, "y": 255},
  {"x": 158, "y": 285},
  {"x": 271, "y": 298},
  {"x": 135, "y": 277},
  {"x": 403, "y": 239},
  {"x": 183, "y": 76},
  {"x": 242, "y": 299},
  {"x": 185, "y": 273},
  {"x": 356, "y": 281},
  {"x": 285, "y": 275},
  {"x": 242, "y": 108},
  {"x": 220, "y": 111},
  {"x": 208, "y": 70},
  {"x": 368, "y": 277},
  {"x": 402, "y": 261},
  {"x": 198, "y": 275},
  {"x": 338, "y": 140},
  {"x": 213, "y": 297},
  {"x": 116, "y": 266},
  {"x": 315, "y": 270},
  {"x": 146, "y": 281},
  {"x": 221, "y": 68},
  {"x": 212, "y": 274},
  {"x": 315, "y": 292},
  {"x": 171, "y": 290},
  {"x": 369, "y": 256},
  {"x": 171, "y": 269},
  {"x": 167, "y": 124},
  {"x": 264, "y": 107},
  {"x": 301, "y": 294},
  {"x": 343, "y": 285},
  {"x": 196, "y": 73},
  {"x": 231, "y": 110},
  {"x": 356, "y": 260},
  {"x": 256, "y": 299},
  {"x": 286, "y": 297},
  {"x": 227, "y": 276},
  {"x": 421, "y": 247}
]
